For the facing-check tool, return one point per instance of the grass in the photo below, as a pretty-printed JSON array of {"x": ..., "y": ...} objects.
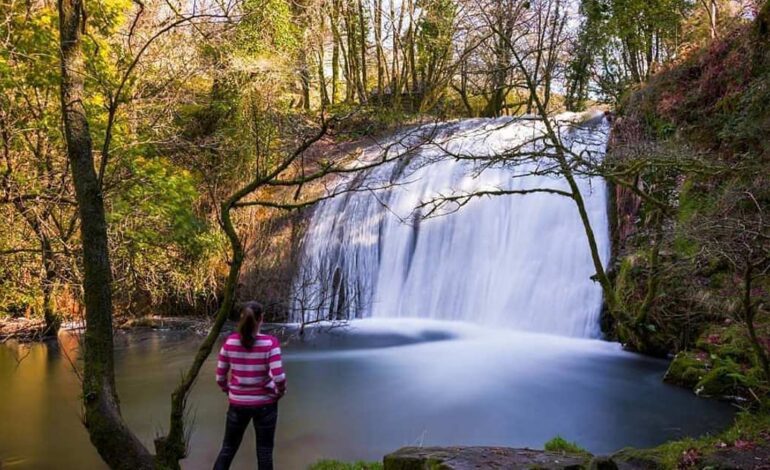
[{"x": 559, "y": 444}]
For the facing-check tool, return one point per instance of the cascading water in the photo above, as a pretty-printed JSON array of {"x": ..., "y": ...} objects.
[{"x": 518, "y": 261}]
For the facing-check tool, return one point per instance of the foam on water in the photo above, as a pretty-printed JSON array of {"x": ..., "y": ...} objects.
[{"x": 515, "y": 261}]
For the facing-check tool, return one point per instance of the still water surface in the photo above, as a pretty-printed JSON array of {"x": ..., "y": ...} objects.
[{"x": 362, "y": 391}]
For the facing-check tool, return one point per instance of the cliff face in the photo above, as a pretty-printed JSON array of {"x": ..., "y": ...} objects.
[
  {"x": 692, "y": 273},
  {"x": 273, "y": 236}
]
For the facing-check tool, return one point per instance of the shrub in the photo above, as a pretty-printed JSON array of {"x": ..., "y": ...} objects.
[{"x": 559, "y": 444}]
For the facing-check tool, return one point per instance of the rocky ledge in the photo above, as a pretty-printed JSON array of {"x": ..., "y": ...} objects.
[{"x": 473, "y": 458}]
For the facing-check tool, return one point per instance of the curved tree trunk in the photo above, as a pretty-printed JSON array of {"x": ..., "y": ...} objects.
[{"x": 172, "y": 447}]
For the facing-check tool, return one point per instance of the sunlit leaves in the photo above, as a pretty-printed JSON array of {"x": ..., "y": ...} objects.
[{"x": 267, "y": 27}]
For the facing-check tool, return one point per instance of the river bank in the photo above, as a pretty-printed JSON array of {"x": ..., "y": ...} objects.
[{"x": 30, "y": 330}]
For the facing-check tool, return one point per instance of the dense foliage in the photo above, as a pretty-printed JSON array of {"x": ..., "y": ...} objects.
[{"x": 710, "y": 253}]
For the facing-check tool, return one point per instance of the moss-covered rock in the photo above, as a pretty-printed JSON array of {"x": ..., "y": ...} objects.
[
  {"x": 337, "y": 465},
  {"x": 717, "y": 383},
  {"x": 466, "y": 458},
  {"x": 728, "y": 340},
  {"x": 721, "y": 368},
  {"x": 602, "y": 463},
  {"x": 646, "y": 459},
  {"x": 687, "y": 369},
  {"x": 731, "y": 380}
]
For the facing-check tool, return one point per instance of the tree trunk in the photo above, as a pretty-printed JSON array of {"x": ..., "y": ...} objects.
[
  {"x": 412, "y": 56},
  {"x": 653, "y": 279},
  {"x": 379, "y": 49},
  {"x": 334, "y": 20},
  {"x": 52, "y": 320},
  {"x": 395, "y": 83},
  {"x": 763, "y": 20},
  {"x": 362, "y": 32},
  {"x": 304, "y": 77},
  {"x": 748, "y": 318},
  {"x": 711, "y": 13},
  {"x": 462, "y": 90},
  {"x": 116, "y": 444},
  {"x": 48, "y": 275},
  {"x": 351, "y": 61},
  {"x": 322, "y": 79}
]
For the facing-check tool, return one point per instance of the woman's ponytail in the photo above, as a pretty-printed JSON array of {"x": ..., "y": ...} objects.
[{"x": 251, "y": 317}]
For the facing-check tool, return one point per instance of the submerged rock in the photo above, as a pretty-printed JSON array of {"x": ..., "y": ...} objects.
[{"x": 467, "y": 458}]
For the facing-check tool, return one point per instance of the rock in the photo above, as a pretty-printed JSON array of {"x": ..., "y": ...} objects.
[
  {"x": 602, "y": 463},
  {"x": 473, "y": 458},
  {"x": 717, "y": 383},
  {"x": 737, "y": 459},
  {"x": 637, "y": 459},
  {"x": 686, "y": 370}
]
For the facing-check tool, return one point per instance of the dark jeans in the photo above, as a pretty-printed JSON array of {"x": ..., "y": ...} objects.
[{"x": 238, "y": 417}]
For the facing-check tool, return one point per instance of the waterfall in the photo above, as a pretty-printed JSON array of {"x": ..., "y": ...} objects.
[{"x": 514, "y": 261}]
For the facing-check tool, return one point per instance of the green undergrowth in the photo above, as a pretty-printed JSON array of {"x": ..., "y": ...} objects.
[
  {"x": 559, "y": 444},
  {"x": 721, "y": 365},
  {"x": 337, "y": 465},
  {"x": 749, "y": 432}
]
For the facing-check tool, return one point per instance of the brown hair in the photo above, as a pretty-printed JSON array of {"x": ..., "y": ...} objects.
[{"x": 251, "y": 317}]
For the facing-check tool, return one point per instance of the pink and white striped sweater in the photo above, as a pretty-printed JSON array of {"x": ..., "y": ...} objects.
[{"x": 256, "y": 374}]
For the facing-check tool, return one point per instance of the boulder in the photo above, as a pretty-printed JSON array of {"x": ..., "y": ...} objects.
[{"x": 474, "y": 458}]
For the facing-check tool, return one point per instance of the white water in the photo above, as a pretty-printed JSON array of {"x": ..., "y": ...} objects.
[{"x": 514, "y": 261}]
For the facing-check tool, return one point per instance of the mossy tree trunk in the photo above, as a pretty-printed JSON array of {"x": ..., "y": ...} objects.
[
  {"x": 749, "y": 316},
  {"x": 653, "y": 277},
  {"x": 48, "y": 275},
  {"x": 52, "y": 320},
  {"x": 763, "y": 20},
  {"x": 114, "y": 441}
]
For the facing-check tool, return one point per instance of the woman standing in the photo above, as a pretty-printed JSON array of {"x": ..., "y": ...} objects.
[{"x": 256, "y": 384}]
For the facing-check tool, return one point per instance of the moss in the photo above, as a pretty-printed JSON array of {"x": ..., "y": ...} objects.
[
  {"x": 726, "y": 341},
  {"x": 747, "y": 428},
  {"x": 730, "y": 379},
  {"x": 559, "y": 444},
  {"x": 687, "y": 369},
  {"x": 722, "y": 365},
  {"x": 623, "y": 282},
  {"x": 337, "y": 465},
  {"x": 718, "y": 382},
  {"x": 641, "y": 458}
]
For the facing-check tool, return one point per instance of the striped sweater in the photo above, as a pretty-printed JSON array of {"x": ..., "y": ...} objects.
[{"x": 256, "y": 374}]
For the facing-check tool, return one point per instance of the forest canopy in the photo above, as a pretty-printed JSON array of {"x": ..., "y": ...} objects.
[{"x": 182, "y": 97}]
